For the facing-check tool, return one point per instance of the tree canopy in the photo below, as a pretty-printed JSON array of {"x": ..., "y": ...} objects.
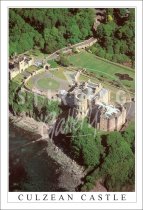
[
  {"x": 29, "y": 104},
  {"x": 116, "y": 36},
  {"x": 118, "y": 166},
  {"x": 85, "y": 143},
  {"x": 48, "y": 29}
]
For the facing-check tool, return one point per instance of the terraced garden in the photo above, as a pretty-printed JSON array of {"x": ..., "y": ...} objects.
[{"x": 103, "y": 70}]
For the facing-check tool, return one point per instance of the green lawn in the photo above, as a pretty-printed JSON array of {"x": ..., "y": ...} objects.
[
  {"x": 59, "y": 73},
  {"x": 31, "y": 69},
  {"x": 84, "y": 78},
  {"x": 48, "y": 84},
  {"x": 29, "y": 84},
  {"x": 102, "y": 69},
  {"x": 18, "y": 79},
  {"x": 53, "y": 64}
]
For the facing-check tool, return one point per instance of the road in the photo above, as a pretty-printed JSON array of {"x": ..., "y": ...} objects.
[{"x": 69, "y": 48}]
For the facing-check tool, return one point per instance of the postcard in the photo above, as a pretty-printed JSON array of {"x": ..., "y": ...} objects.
[{"x": 71, "y": 105}]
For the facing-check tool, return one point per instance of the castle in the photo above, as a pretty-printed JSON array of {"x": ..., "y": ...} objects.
[
  {"x": 91, "y": 100},
  {"x": 19, "y": 64}
]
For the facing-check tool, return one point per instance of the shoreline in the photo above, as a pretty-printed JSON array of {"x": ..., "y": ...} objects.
[{"x": 72, "y": 173}]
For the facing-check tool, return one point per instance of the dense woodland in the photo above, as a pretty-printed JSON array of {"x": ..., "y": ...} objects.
[
  {"x": 48, "y": 29},
  {"x": 52, "y": 29},
  {"x": 23, "y": 103},
  {"x": 109, "y": 156},
  {"x": 116, "y": 36}
]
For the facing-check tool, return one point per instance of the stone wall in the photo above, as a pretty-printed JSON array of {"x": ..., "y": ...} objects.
[
  {"x": 33, "y": 74},
  {"x": 103, "y": 124},
  {"x": 82, "y": 109},
  {"x": 105, "y": 98},
  {"x": 86, "y": 44},
  {"x": 113, "y": 123}
]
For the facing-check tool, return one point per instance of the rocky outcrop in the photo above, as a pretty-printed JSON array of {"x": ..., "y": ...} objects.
[{"x": 71, "y": 173}]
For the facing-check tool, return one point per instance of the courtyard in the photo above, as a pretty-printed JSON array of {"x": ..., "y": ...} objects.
[{"x": 59, "y": 78}]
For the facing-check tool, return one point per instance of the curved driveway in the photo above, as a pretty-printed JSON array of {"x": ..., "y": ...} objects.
[{"x": 63, "y": 83}]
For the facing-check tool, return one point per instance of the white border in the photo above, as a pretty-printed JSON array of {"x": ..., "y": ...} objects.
[{"x": 4, "y": 104}]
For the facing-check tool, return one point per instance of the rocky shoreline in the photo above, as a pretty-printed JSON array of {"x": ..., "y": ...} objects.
[{"x": 71, "y": 173}]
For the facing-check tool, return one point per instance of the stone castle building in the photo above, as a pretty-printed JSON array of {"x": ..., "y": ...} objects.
[
  {"x": 107, "y": 117},
  {"x": 19, "y": 64},
  {"x": 91, "y": 100}
]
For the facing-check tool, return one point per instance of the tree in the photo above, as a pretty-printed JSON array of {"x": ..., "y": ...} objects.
[
  {"x": 85, "y": 145},
  {"x": 109, "y": 11},
  {"x": 64, "y": 61},
  {"x": 110, "y": 18},
  {"x": 48, "y": 29},
  {"x": 119, "y": 162},
  {"x": 129, "y": 135},
  {"x": 106, "y": 29},
  {"x": 116, "y": 36},
  {"x": 12, "y": 91},
  {"x": 22, "y": 36},
  {"x": 101, "y": 52},
  {"x": 73, "y": 32},
  {"x": 121, "y": 12}
]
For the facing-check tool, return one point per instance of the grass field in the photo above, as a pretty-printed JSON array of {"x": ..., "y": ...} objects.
[
  {"x": 59, "y": 73},
  {"x": 47, "y": 84},
  {"x": 84, "y": 78},
  {"x": 32, "y": 69},
  {"x": 53, "y": 64},
  {"x": 102, "y": 69},
  {"x": 18, "y": 79}
]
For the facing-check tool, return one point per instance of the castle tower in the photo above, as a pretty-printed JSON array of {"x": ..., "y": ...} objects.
[
  {"x": 21, "y": 65},
  {"x": 124, "y": 114},
  {"x": 112, "y": 123},
  {"x": 119, "y": 122},
  {"x": 77, "y": 76},
  {"x": 82, "y": 105},
  {"x": 103, "y": 125}
]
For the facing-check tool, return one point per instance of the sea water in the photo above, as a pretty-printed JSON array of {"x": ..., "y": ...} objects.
[{"x": 30, "y": 167}]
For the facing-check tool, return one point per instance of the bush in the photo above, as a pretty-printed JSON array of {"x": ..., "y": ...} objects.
[
  {"x": 120, "y": 58},
  {"x": 93, "y": 49},
  {"x": 109, "y": 56},
  {"x": 110, "y": 18},
  {"x": 89, "y": 186},
  {"x": 101, "y": 52},
  {"x": 64, "y": 61},
  {"x": 90, "y": 179},
  {"x": 53, "y": 64}
]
